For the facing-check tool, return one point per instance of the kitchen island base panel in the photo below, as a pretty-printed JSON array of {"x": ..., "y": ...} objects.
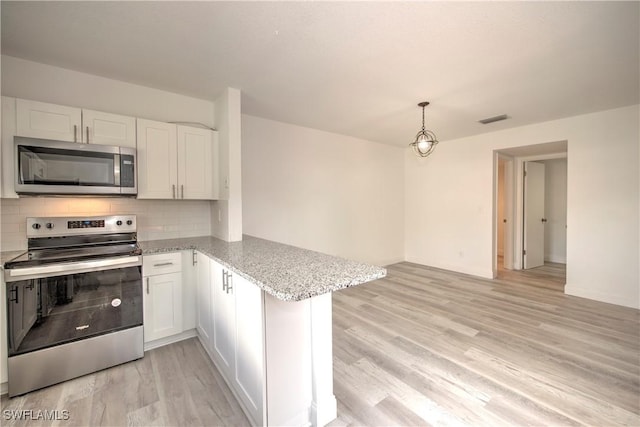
[{"x": 323, "y": 405}]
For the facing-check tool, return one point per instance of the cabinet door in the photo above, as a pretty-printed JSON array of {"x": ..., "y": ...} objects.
[
  {"x": 204, "y": 321},
  {"x": 157, "y": 166},
  {"x": 162, "y": 306},
  {"x": 108, "y": 129},
  {"x": 48, "y": 121},
  {"x": 195, "y": 163},
  {"x": 223, "y": 319},
  {"x": 8, "y": 132},
  {"x": 249, "y": 354}
]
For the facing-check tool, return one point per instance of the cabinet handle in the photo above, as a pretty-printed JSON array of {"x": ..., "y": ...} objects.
[
  {"x": 224, "y": 280},
  {"x": 75, "y": 133},
  {"x": 229, "y": 283},
  {"x": 173, "y": 189},
  {"x": 147, "y": 285},
  {"x": 14, "y": 289},
  {"x": 87, "y": 135},
  {"x": 195, "y": 258},
  {"x": 162, "y": 264},
  {"x": 182, "y": 190}
]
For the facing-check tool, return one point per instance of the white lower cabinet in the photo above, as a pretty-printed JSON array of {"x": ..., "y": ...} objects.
[
  {"x": 204, "y": 321},
  {"x": 162, "y": 295},
  {"x": 235, "y": 340},
  {"x": 249, "y": 346},
  {"x": 223, "y": 315},
  {"x": 275, "y": 356}
]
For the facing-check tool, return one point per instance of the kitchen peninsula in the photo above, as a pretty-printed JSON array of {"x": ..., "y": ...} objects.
[{"x": 264, "y": 318}]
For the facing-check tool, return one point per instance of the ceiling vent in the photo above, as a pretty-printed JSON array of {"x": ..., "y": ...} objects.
[{"x": 493, "y": 119}]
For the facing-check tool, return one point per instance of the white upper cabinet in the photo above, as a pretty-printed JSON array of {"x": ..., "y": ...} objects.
[
  {"x": 157, "y": 165},
  {"x": 176, "y": 162},
  {"x": 108, "y": 129},
  {"x": 50, "y": 121},
  {"x": 7, "y": 151},
  {"x": 197, "y": 163}
]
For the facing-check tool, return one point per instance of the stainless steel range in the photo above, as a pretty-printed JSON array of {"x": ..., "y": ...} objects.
[{"x": 74, "y": 300}]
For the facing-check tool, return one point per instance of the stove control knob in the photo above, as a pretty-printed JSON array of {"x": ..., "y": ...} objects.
[
  {"x": 49, "y": 225},
  {"x": 129, "y": 222},
  {"x": 118, "y": 222},
  {"x": 36, "y": 226}
]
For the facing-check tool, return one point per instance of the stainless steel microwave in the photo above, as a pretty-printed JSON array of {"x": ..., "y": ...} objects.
[{"x": 68, "y": 168}]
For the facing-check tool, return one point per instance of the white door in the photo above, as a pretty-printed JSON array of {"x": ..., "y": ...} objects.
[
  {"x": 204, "y": 320},
  {"x": 195, "y": 163},
  {"x": 534, "y": 219},
  {"x": 108, "y": 129},
  {"x": 249, "y": 356},
  {"x": 223, "y": 318},
  {"x": 162, "y": 306},
  {"x": 157, "y": 166},
  {"x": 48, "y": 121}
]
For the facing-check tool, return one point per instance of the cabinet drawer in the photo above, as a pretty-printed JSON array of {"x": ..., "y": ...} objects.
[{"x": 153, "y": 265}]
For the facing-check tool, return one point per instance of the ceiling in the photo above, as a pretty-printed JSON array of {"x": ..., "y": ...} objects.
[{"x": 354, "y": 68}]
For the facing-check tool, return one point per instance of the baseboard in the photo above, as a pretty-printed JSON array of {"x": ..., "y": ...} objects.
[
  {"x": 169, "y": 340},
  {"x": 389, "y": 262},
  {"x": 606, "y": 297},
  {"x": 556, "y": 258},
  {"x": 485, "y": 274}
]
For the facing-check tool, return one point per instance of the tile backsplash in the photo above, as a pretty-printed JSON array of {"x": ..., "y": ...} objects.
[{"x": 157, "y": 219}]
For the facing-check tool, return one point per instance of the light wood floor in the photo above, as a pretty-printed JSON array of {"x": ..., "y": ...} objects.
[
  {"x": 420, "y": 347},
  {"x": 429, "y": 347},
  {"x": 175, "y": 385}
]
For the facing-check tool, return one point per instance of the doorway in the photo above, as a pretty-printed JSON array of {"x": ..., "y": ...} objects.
[{"x": 526, "y": 241}]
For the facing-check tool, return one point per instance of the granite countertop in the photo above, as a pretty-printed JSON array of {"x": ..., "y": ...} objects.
[{"x": 286, "y": 272}]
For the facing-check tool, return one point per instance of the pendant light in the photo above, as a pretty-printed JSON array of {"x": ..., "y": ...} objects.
[{"x": 425, "y": 140}]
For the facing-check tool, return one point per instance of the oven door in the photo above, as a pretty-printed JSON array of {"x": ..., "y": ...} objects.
[{"x": 47, "y": 307}]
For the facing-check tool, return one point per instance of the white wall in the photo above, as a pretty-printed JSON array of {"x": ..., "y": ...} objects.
[
  {"x": 555, "y": 210},
  {"x": 40, "y": 82},
  {"x": 226, "y": 213},
  {"x": 156, "y": 219},
  {"x": 322, "y": 191},
  {"x": 449, "y": 202}
]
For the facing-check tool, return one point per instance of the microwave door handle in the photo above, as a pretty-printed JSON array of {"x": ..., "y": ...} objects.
[{"x": 116, "y": 169}]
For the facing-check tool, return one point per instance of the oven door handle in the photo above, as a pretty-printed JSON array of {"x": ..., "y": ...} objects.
[{"x": 67, "y": 268}]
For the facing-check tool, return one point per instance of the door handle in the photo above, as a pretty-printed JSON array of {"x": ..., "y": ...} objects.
[
  {"x": 75, "y": 133},
  {"x": 147, "y": 285},
  {"x": 87, "y": 134},
  {"x": 173, "y": 189}
]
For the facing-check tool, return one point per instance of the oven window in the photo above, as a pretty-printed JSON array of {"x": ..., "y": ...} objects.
[
  {"x": 51, "y": 166},
  {"x": 52, "y": 311}
]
